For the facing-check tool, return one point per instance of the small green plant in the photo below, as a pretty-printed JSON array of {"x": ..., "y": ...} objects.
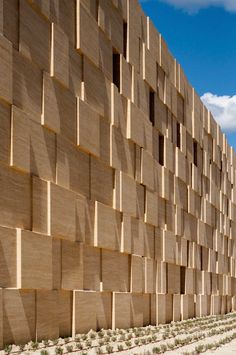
[
  {"x": 92, "y": 335},
  {"x": 8, "y": 349},
  {"x": 114, "y": 338},
  {"x": 59, "y": 350},
  {"x": 120, "y": 347},
  {"x": 122, "y": 338},
  {"x": 109, "y": 349},
  {"x": 107, "y": 339},
  {"x": 84, "y": 337},
  {"x": 99, "y": 351},
  {"x": 22, "y": 347},
  {"x": 46, "y": 343},
  {"x": 101, "y": 334},
  {"x": 34, "y": 345},
  {"x": 128, "y": 344},
  {"x": 199, "y": 349},
  {"x": 79, "y": 346},
  {"x": 163, "y": 347},
  {"x": 101, "y": 342},
  {"x": 156, "y": 350},
  {"x": 44, "y": 352},
  {"x": 88, "y": 343},
  {"x": 69, "y": 348},
  {"x": 136, "y": 342}
]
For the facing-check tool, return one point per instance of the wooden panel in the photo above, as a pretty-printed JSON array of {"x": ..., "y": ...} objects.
[
  {"x": 105, "y": 55},
  {"x": 91, "y": 310},
  {"x": 59, "y": 55},
  {"x": 122, "y": 152},
  {"x": 121, "y": 310},
  {"x": 87, "y": 40},
  {"x": 72, "y": 265},
  {"x": 150, "y": 275},
  {"x": 151, "y": 208},
  {"x": 47, "y": 315},
  {"x": 91, "y": 268},
  {"x": 140, "y": 307},
  {"x": 173, "y": 273},
  {"x": 59, "y": 108},
  {"x": 6, "y": 82},
  {"x": 75, "y": 71},
  {"x": 72, "y": 167},
  {"x": 27, "y": 86},
  {"x": 88, "y": 134},
  {"x": 137, "y": 274},
  {"x": 33, "y": 148},
  {"x": 107, "y": 227},
  {"x": 67, "y": 214},
  {"x": 7, "y": 257},
  {"x": 149, "y": 68},
  {"x": 125, "y": 194},
  {"x": 65, "y": 313},
  {"x": 34, "y": 44},
  {"x": 101, "y": 175},
  {"x": 18, "y": 316},
  {"x": 15, "y": 198},
  {"x": 97, "y": 89},
  {"x": 147, "y": 170},
  {"x": 115, "y": 271},
  {"x": 9, "y": 14},
  {"x": 5, "y": 132},
  {"x": 137, "y": 237},
  {"x": 34, "y": 260}
]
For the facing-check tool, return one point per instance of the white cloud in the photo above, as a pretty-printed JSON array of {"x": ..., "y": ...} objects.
[
  {"x": 192, "y": 6},
  {"x": 223, "y": 109}
]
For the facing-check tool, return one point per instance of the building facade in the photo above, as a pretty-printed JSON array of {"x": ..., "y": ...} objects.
[{"x": 118, "y": 188}]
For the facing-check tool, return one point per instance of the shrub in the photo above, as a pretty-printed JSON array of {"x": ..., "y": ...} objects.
[
  {"x": 128, "y": 344},
  {"x": 59, "y": 350},
  {"x": 88, "y": 343},
  {"x": 69, "y": 348},
  {"x": 109, "y": 349},
  {"x": 44, "y": 352},
  {"x": 120, "y": 347}
]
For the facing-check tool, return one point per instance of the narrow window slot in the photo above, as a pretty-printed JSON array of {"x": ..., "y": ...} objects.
[
  {"x": 178, "y": 136},
  {"x": 195, "y": 160},
  {"x": 161, "y": 149},
  {"x": 152, "y": 107},
  {"x": 116, "y": 70},
  {"x": 125, "y": 39}
]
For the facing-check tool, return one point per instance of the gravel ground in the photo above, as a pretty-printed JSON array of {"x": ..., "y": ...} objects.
[{"x": 201, "y": 331}]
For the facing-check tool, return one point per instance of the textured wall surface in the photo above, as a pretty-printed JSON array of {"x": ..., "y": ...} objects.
[{"x": 118, "y": 188}]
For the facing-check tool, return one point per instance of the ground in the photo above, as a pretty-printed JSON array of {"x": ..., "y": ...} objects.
[{"x": 209, "y": 335}]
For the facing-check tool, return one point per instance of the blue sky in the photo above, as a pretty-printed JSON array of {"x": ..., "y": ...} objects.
[{"x": 204, "y": 42}]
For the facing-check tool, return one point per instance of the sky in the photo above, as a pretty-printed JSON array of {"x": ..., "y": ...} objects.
[{"x": 201, "y": 34}]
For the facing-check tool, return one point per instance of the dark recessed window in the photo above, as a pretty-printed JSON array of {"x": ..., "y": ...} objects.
[
  {"x": 178, "y": 136},
  {"x": 195, "y": 153},
  {"x": 182, "y": 280},
  {"x": 97, "y": 9},
  {"x": 116, "y": 70},
  {"x": 125, "y": 39},
  {"x": 152, "y": 107},
  {"x": 161, "y": 149}
]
